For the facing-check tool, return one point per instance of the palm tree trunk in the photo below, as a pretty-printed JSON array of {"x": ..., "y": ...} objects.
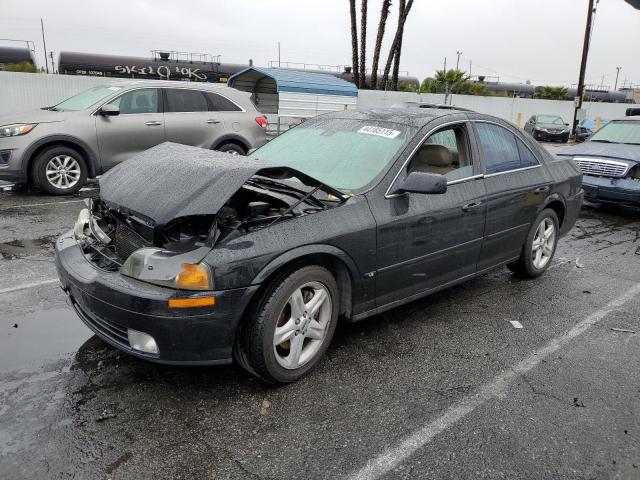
[
  {"x": 396, "y": 64},
  {"x": 354, "y": 43},
  {"x": 363, "y": 43},
  {"x": 376, "y": 51},
  {"x": 405, "y": 7}
]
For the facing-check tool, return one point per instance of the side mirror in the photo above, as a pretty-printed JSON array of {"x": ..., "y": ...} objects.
[
  {"x": 422, "y": 182},
  {"x": 109, "y": 111},
  {"x": 566, "y": 124}
]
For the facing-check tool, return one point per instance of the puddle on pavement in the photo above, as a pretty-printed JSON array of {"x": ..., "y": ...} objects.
[
  {"x": 24, "y": 248},
  {"x": 40, "y": 338}
]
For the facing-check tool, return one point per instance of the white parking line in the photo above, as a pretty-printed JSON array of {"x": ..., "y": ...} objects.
[
  {"x": 24, "y": 286},
  {"x": 24, "y": 205},
  {"x": 392, "y": 457}
]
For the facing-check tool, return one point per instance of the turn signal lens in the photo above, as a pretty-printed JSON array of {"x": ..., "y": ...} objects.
[
  {"x": 192, "y": 302},
  {"x": 193, "y": 277}
]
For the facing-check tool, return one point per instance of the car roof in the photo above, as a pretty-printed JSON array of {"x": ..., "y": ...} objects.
[
  {"x": 416, "y": 117},
  {"x": 439, "y": 106},
  {"x": 169, "y": 83}
]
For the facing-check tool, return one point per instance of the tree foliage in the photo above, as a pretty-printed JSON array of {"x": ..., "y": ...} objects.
[
  {"x": 551, "y": 93},
  {"x": 25, "y": 67}
]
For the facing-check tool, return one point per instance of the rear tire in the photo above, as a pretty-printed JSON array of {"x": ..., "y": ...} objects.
[
  {"x": 59, "y": 170},
  {"x": 539, "y": 247},
  {"x": 231, "y": 148},
  {"x": 286, "y": 311}
]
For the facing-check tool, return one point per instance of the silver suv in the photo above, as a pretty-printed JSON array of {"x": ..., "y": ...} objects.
[{"x": 57, "y": 148}]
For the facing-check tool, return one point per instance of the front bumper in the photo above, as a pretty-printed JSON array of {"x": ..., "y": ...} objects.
[
  {"x": 11, "y": 153},
  {"x": 550, "y": 136},
  {"x": 614, "y": 190},
  {"x": 110, "y": 303}
]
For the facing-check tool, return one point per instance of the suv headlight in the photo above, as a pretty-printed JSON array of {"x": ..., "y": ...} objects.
[
  {"x": 16, "y": 130},
  {"x": 540, "y": 129},
  {"x": 166, "y": 269}
]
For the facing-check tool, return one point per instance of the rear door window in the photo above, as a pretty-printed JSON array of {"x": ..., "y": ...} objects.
[
  {"x": 501, "y": 149},
  {"x": 218, "y": 103},
  {"x": 183, "y": 100}
]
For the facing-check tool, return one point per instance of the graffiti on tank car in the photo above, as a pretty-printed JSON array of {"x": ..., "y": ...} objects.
[{"x": 164, "y": 72}]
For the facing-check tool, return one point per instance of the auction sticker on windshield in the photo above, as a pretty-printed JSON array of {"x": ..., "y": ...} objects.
[{"x": 379, "y": 131}]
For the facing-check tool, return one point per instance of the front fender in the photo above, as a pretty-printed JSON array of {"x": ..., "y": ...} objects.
[
  {"x": 89, "y": 154},
  {"x": 300, "y": 253}
]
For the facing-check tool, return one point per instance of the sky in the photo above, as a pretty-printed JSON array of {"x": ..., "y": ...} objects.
[{"x": 539, "y": 40}]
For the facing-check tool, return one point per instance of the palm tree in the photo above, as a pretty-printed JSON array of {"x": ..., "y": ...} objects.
[
  {"x": 451, "y": 80},
  {"x": 384, "y": 13},
  {"x": 354, "y": 42},
  {"x": 394, "y": 51},
  {"x": 363, "y": 43}
]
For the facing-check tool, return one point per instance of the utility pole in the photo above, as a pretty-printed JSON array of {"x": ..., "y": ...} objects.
[
  {"x": 615, "y": 89},
  {"x": 583, "y": 68},
  {"x": 46, "y": 62},
  {"x": 458, "y": 61},
  {"x": 53, "y": 65},
  {"x": 469, "y": 68},
  {"x": 278, "y": 54}
]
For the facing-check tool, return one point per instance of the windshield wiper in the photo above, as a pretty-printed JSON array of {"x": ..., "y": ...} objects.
[
  {"x": 274, "y": 186},
  {"x": 603, "y": 141}
]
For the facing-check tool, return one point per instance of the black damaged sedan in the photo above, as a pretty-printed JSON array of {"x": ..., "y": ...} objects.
[{"x": 195, "y": 257}]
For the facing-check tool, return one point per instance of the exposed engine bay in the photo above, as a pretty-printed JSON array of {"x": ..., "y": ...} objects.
[{"x": 109, "y": 233}]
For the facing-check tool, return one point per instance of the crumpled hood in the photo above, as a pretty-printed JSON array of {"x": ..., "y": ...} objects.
[
  {"x": 33, "y": 116},
  {"x": 603, "y": 150},
  {"x": 172, "y": 180}
]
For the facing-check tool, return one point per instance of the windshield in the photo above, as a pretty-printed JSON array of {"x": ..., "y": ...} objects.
[
  {"x": 344, "y": 154},
  {"x": 619, "y": 132},
  {"x": 87, "y": 98},
  {"x": 552, "y": 119}
]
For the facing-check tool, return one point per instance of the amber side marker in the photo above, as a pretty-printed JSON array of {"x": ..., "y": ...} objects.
[{"x": 192, "y": 302}]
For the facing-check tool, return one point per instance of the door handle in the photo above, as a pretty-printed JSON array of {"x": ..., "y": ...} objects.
[
  {"x": 471, "y": 206},
  {"x": 153, "y": 123},
  {"x": 213, "y": 121},
  {"x": 542, "y": 189}
]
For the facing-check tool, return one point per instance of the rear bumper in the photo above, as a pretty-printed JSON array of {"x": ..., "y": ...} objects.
[
  {"x": 614, "y": 190},
  {"x": 109, "y": 304},
  {"x": 572, "y": 210}
]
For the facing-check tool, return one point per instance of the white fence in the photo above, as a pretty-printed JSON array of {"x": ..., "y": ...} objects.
[
  {"x": 516, "y": 110},
  {"x": 25, "y": 91}
]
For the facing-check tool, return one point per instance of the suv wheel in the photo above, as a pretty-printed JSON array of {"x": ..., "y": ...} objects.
[
  {"x": 231, "y": 148},
  {"x": 59, "y": 171},
  {"x": 289, "y": 331}
]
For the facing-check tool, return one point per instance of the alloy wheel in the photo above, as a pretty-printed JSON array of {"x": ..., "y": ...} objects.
[
  {"x": 543, "y": 243},
  {"x": 63, "y": 171},
  {"x": 302, "y": 325}
]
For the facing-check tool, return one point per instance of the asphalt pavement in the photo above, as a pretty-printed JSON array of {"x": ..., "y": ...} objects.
[{"x": 442, "y": 388}]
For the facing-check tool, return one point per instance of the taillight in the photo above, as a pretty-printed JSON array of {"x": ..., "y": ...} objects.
[{"x": 262, "y": 121}]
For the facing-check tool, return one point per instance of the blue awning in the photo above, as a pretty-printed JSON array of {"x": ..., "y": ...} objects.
[{"x": 295, "y": 81}]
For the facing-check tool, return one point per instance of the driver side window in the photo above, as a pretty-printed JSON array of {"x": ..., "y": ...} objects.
[
  {"x": 144, "y": 100},
  {"x": 444, "y": 152}
]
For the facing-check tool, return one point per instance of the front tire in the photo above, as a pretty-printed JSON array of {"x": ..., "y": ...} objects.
[
  {"x": 232, "y": 149},
  {"x": 291, "y": 327},
  {"x": 59, "y": 170},
  {"x": 540, "y": 246}
]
